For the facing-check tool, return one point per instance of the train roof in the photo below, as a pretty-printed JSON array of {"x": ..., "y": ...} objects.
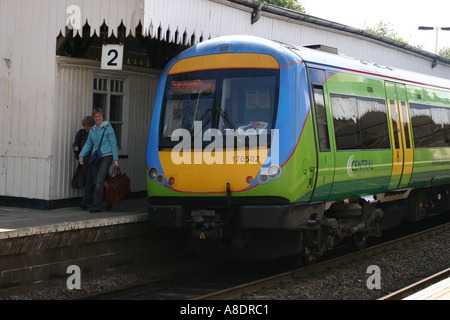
[
  {"x": 334, "y": 60},
  {"x": 285, "y": 53}
]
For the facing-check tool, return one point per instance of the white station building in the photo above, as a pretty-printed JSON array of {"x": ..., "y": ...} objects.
[{"x": 60, "y": 59}]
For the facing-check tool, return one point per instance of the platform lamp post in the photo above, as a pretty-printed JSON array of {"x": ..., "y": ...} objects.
[{"x": 437, "y": 34}]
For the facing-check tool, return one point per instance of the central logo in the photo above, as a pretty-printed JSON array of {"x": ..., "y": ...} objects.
[
  {"x": 350, "y": 165},
  {"x": 358, "y": 165}
]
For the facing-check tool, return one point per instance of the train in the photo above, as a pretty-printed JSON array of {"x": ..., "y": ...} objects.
[{"x": 262, "y": 149}]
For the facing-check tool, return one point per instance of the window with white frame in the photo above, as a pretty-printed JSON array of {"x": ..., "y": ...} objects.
[{"x": 108, "y": 94}]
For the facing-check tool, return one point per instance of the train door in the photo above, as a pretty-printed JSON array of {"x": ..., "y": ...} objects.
[
  {"x": 325, "y": 157},
  {"x": 400, "y": 124}
]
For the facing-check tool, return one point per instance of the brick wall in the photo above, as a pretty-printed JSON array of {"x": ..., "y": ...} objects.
[{"x": 40, "y": 261}]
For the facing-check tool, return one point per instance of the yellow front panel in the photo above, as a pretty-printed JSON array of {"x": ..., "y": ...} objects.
[
  {"x": 225, "y": 61},
  {"x": 210, "y": 172}
]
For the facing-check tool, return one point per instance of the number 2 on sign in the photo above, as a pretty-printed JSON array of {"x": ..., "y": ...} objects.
[
  {"x": 112, "y": 56},
  {"x": 115, "y": 54}
]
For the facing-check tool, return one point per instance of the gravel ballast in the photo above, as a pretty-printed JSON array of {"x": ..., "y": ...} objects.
[{"x": 398, "y": 268}]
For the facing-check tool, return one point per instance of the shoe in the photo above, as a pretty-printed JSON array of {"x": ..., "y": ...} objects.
[
  {"x": 95, "y": 210},
  {"x": 82, "y": 206}
]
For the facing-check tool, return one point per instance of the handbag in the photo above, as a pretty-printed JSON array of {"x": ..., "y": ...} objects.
[
  {"x": 78, "y": 178},
  {"x": 117, "y": 187},
  {"x": 97, "y": 155}
]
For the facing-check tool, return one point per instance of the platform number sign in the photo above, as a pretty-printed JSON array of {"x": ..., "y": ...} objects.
[{"x": 112, "y": 56}]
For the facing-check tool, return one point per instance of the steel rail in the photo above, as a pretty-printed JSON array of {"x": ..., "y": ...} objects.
[
  {"x": 131, "y": 290},
  {"x": 117, "y": 293},
  {"x": 418, "y": 286},
  {"x": 237, "y": 291}
]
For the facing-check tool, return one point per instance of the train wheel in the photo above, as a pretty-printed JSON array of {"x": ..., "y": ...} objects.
[
  {"x": 306, "y": 258},
  {"x": 359, "y": 241}
]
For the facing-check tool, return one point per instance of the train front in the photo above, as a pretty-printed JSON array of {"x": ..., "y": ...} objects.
[{"x": 221, "y": 159}]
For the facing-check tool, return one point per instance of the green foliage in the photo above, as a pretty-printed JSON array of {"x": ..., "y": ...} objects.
[
  {"x": 288, "y": 4},
  {"x": 445, "y": 52},
  {"x": 385, "y": 30}
]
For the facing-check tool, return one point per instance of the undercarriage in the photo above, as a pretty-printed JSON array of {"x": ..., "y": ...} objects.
[{"x": 255, "y": 230}]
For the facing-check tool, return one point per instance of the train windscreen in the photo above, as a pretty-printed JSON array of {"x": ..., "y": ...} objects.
[{"x": 222, "y": 102}]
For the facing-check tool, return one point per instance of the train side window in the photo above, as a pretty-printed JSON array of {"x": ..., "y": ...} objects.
[
  {"x": 373, "y": 123},
  {"x": 441, "y": 119},
  {"x": 346, "y": 122},
  {"x": 405, "y": 124},
  {"x": 321, "y": 119},
  {"x": 394, "y": 123},
  {"x": 360, "y": 123},
  {"x": 431, "y": 125},
  {"x": 422, "y": 125}
]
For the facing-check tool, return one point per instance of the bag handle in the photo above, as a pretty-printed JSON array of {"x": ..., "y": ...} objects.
[
  {"x": 116, "y": 169},
  {"x": 101, "y": 140}
]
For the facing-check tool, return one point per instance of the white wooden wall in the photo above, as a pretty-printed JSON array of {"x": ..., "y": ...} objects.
[
  {"x": 37, "y": 122},
  {"x": 26, "y": 99}
]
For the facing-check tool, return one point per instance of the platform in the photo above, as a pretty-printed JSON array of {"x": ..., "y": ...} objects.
[
  {"x": 38, "y": 246},
  {"x": 438, "y": 291},
  {"x": 20, "y": 222}
]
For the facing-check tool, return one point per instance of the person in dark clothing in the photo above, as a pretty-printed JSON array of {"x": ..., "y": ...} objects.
[
  {"x": 80, "y": 140},
  {"x": 82, "y": 135}
]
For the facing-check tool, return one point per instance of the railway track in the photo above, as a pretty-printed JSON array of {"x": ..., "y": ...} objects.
[
  {"x": 238, "y": 291},
  {"x": 213, "y": 283},
  {"x": 188, "y": 281},
  {"x": 189, "y": 285}
]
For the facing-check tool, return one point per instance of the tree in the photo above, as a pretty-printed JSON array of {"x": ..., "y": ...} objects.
[
  {"x": 385, "y": 30},
  {"x": 445, "y": 52},
  {"x": 288, "y": 4}
]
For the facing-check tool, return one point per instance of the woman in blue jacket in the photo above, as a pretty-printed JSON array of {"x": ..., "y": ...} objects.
[{"x": 110, "y": 153}]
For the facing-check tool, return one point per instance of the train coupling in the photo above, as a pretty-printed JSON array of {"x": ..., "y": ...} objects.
[{"x": 205, "y": 224}]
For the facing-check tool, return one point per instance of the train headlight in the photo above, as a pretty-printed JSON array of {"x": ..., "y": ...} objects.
[
  {"x": 152, "y": 173},
  {"x": 159, "y": 179},
  {"x": 263, "y": 178},
  {"x": 273, "y": 172},
  {"x": 155, "y": 175}
]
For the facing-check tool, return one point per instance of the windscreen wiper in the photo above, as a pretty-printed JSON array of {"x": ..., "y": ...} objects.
[{"x": 226, "y": 117}]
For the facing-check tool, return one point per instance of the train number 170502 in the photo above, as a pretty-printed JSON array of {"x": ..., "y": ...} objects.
[{"x": 245, "y": 159}]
